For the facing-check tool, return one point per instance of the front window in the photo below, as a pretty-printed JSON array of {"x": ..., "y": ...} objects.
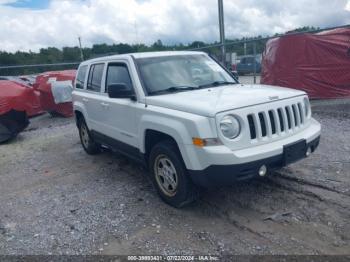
[
  {"x": 181, "y": 72},
  {"x": 118, "y": 74}
]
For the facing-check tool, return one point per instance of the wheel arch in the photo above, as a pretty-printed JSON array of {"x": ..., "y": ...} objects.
[
  {"x": 152, "y": 136},
  {"x": 78, "y": 116},
  {"x": 80, "y": 112}
]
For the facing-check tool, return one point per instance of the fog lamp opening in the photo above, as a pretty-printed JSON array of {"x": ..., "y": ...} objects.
[
  {"x": 262, "y": 170},
  {"x": 308, "y": 151}
]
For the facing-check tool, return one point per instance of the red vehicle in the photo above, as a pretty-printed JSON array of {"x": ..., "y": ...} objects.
[
  {"x": 44, "y": 84},
  {"x": 18, "y": 102}
]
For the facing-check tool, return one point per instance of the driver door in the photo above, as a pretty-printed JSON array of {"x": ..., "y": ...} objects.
[{"x": 119, "y": 113}]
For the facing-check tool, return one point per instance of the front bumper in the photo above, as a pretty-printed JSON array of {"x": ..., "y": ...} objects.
[
  {"x": 220, "y": 175},
  {"x": 199, "y": 158}
]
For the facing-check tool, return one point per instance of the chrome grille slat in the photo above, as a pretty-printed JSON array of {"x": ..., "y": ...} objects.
[
  {"x": 263, "y": 126},
  {"x": 252, "y": 128},
  {"x": 301, "y": 113},
  {"x": 257, "y": 126},
  {"x": 291, "y": 117},
  {"x": 281, "y": 120},
  {"x": 272, "y": 122},
  {"x": 267, "y": 123},
  {"x": 276, "y": 121},
  {"x": 296, "y": 115},
  {"x": 285, "y": 119}
]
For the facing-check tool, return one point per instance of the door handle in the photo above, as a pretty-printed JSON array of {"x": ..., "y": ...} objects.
[
  {"x": 104, "y": 104},
  {"x": 85, "y": 100}
]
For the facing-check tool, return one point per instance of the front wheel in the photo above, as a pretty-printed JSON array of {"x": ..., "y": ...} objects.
[
  {"x": 169, "y": 175},
  {"x": 89, "y": 145}
]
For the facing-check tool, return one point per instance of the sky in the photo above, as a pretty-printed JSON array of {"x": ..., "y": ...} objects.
[{"x": 33, "y": 24}]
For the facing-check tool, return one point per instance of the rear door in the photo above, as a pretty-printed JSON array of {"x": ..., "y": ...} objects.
[{"x": 92, "y": 97}]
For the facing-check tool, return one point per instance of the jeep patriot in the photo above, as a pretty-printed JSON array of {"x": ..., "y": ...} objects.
[{"x": 189, "y": 120}]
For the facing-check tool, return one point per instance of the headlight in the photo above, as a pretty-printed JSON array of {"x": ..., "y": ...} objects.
[
  {"x": 230, "y": 127},
  {"x": 307, "y": 107}
]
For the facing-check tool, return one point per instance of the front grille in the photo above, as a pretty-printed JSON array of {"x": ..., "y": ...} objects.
[{"x": 276, "y": 121}]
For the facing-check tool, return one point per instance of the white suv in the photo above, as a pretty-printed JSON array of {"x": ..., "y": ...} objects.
[{"x": 187, "y": 118}]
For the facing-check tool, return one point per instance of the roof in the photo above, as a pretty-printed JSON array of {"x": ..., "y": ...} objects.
[{"x": 143, "y": 55}]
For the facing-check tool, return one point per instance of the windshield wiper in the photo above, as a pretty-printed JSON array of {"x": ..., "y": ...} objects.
[
  {"x": 173, "y": 89},
  {"x": 217, "y": 83}
]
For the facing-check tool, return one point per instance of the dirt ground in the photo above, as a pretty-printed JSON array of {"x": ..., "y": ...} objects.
[{"x": 55, "y": 199}]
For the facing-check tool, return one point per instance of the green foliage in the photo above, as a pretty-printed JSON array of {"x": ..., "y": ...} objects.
[
  {"x": 52, "y": 55},
  {"x": 305, "y": 29}
]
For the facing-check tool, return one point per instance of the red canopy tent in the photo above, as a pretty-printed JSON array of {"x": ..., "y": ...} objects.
[{"x": 317, "y": 63}]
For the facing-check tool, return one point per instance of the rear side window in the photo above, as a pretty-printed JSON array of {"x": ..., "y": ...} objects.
[
  {"x": 95, "y": 77},
  {"x": 81, "y": 77},
  {"x": 118, "y": 74}
]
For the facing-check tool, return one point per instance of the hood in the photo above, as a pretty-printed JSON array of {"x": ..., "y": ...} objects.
[{"x": 210, "y": 101}]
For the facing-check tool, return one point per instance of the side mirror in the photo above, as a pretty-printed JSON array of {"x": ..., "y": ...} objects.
[{"x": 120, "y": 90}]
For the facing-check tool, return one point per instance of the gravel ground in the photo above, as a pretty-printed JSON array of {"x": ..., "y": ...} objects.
[{"x": 55, "y": 199}]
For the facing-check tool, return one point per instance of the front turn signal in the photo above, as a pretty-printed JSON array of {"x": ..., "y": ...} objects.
[{"x": 200, "y": 142}]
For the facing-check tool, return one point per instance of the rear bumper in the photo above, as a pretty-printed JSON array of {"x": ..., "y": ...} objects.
[{"x": 220, "y": 175}]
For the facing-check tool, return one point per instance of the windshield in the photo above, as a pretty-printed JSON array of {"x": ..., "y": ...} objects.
[{"x": 181, "y": 73}]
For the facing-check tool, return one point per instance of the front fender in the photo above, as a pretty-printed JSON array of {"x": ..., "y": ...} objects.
[{"x": 172, "y": 127}]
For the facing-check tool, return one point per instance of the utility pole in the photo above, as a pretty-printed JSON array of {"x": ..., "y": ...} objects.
[
  {"x": 81, "y": 49},
  {"x": 222, "y": 31},
  {"x": 254, "y": 50}
]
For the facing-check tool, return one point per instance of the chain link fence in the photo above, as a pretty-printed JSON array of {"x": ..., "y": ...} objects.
[
  {"x": 20, "y": 70},
  {"x": 243, "y": 57}
]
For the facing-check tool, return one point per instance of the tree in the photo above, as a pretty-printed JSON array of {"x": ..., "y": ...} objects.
[{"x": 72, "y": 54}]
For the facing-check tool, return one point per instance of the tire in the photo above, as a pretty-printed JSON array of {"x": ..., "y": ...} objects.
[
  {"x": 6, "y": 134},
  {"x": 11, "y": 124},
  {"x": 89, "y": 145},
  {"x": 169, "y": 175}
]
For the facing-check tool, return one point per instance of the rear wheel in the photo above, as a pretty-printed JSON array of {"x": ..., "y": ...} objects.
[
  {"x": 89, "y": 145},
  {"x": 11, "y": 124},
  {"x": 169, "y": 175}
]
